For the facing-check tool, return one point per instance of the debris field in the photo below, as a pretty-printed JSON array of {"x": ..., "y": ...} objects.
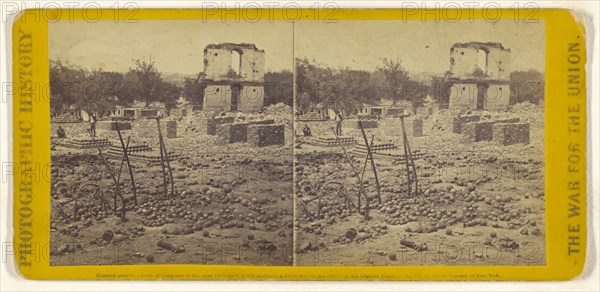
[
  {"x": 223, "y": 202},
  {"x": 479, "y": 199}
]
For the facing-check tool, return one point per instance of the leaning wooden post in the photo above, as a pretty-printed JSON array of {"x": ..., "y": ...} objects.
[
  {"x": 370, "y": 155},
  {"x": 162, "y": 158},
  {"x": 112, "y": 175},
  {"x": 125, "y": 150},
  {"x": 360, "y": 186},
  {"x": 168, "y": 160},
  {"x": 164, "y": 155},
  {"x": 362, "y": 175}
]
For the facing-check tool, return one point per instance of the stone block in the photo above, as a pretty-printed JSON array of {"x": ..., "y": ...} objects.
[
  {"x": 232, "y": 133},
  {"x": 210, "y": 125},
  {"x": 237, "y": 132},
  {"x": 477, "y": 131},
  {"x": 266, "y": 135},
  {"x": 458, "y": 122},
  {"x": 511, "y": 133}
]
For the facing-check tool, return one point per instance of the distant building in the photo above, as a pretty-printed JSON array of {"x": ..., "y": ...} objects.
[
  {"x": 138, "y": 110},
  {"x": 479, "y": 76},
  {"x": 234, "y": 78},
  {"x": 384, "y": 108}
]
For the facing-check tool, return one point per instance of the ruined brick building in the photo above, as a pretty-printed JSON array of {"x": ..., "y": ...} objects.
[
  {"x": 479, "y": 76},
  {"x": 234, "y": 77}
]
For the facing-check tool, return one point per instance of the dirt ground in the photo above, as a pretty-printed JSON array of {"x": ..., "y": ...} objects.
[
  {"x": 479, "y": 203},
  {"x": 232, "y": 204}
]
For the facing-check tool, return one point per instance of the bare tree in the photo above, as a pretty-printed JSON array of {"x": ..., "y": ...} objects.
[
  {"x": 149, "y": 79},
  {"x": 395, "y": 75}
]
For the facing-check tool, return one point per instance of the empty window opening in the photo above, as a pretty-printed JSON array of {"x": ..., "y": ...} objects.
[
  {"x": 482, "y": 60},
  {"x": 236, "y": 62}
]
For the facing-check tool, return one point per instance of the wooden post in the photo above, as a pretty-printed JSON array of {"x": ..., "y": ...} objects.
[
  {"x": 362, "y": 175},
  {"x": 337, "y": 138},
  {"x": 112, "y": 175},
  {"x": 408, "y": 171},
  {"x": 370, "y": 155},
  {"x": 125, "y": 150},
  {"x": 164, "y": 154},
  {"x": 162, "y": 158},
  {"x": 168, "y": 159}
]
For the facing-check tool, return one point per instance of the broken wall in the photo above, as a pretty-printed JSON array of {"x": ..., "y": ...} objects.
[
  {"x": 464, "y": 61},
  {"x": 218, "y": 97},
  {"x": 463, "y": 96},
  {"x": 218, "y": 62},
  {"x": 497, "y": 97},
  {"x": 252, "y": 98}
]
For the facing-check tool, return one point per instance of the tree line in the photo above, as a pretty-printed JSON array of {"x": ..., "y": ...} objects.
[
  {"x": 99, "y": 91},
  {"x": 345, "y": 88}
]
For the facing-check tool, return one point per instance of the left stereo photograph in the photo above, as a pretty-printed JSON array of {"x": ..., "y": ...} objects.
[{"x": 146, "y": 167}]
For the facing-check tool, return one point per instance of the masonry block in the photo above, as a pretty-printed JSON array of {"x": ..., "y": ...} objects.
[
  {"x": 210, "y": 124},
  {"x": 511, "y": 133},
  {"x": 232, "y": 133},
  {"x": 237, "y": 132},
  {"x": 265, "y": 135},
  {"x": 458, "y": 122},
  {"x": 477, "y": 131}
]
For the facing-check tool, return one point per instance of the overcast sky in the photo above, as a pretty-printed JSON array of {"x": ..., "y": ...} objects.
[
  {"x": 422, "y": 46},
  {"x": 177, "y": 46}
]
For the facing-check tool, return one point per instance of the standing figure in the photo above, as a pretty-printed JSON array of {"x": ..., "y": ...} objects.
[
  {"x": 338, "y": 123},
  {"x": 93, "y": 124}
]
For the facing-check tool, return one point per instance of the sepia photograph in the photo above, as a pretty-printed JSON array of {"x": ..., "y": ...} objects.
[
  {"x": 419, "y": 143},
  {"x": 171, "y": 142},
  {"x": 308, "y": 143}
]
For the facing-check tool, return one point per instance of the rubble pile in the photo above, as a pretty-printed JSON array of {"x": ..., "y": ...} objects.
[
  {"x": 475, "y": 186},
  {"x": 238, "y": 194}
]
